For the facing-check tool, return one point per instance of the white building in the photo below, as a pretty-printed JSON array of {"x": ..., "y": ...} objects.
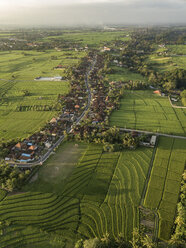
[{"x": 153, "y": 140}]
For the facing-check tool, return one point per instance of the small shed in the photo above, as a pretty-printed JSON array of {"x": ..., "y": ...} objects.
[
  {"x": 32, "y": 148},
  {"x": 157, "y": 92},
  {"x": 153, "y": 140},
  {"x": 47, "y": 145},
  {"x": 54, "y": 120}
]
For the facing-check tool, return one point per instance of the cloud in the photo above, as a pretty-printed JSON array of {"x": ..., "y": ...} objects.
[
  {"x": 40, "y": 3},
  {"x": 88, "y": 12}
]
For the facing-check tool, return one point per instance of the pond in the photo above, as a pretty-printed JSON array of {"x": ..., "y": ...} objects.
[{"x": 58, "y": 78}]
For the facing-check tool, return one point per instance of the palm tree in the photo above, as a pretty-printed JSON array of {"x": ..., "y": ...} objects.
[
  {"x": 136, "y": 239},
  {"x": 147, "y": 242}
]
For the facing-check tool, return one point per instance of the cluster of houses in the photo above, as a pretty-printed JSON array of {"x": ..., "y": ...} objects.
[
  {"x": 35, "y": 146},
  {"x": 159, "y": 93},
  {"x": 104, "y": 100},
  {"x": 173, "y": 97},
  {"x": 23, "y": 151},
  {"x": 105, "y": 49},
  {"x": 119, "y": 63}
]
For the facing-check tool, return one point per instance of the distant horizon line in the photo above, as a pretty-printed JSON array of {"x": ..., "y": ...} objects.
[{"x": 106, "y": 25}]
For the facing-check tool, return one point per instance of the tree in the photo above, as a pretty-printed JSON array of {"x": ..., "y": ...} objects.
[
  {"x": 79, "y": 244},
  {"x": 91, "y": 243},
  {"x": 183, "y": 97},
  {"x": 147, "y": 242},
  {"x": 169, "y": 85},
  {"x": 136, "y": 239}
]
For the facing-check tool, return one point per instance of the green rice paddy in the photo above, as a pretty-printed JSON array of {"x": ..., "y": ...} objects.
[
  {"x": 165, "y": 181},
  {"x": 123, "y": 74},
  {"x": 93, "y": 39},
  {"x": 18, "y": 70},
  {"x": 143, "y": 110}
]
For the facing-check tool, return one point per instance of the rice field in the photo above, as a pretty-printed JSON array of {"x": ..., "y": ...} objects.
[
  {"x": 100, "y": 196},
  {"x": 165, "y": 180},
  {"x": 18, "y": 69},
  {"x": 175, "y": 58},
  {"x": 143, "y": 110},
  {"x": 123, "y": 74},
  {"x": 177, "y": 49},
  {"x": 92, "y": 38}
]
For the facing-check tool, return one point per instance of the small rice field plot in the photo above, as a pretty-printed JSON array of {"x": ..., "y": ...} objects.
[
  {"x": 142, "y": 110},
  {"x": 165, "y": 180},
  {"x": 98, "y": 186},
  {"x": 161, "y": 64},
  {"x": 179, "y": 61},
  {"x": 78, "y": 182},
  {"x": 123, "y": 74},
  {"x": 21, "y": 125},
  {"x": 177, "y": 49},
  {"x": 118, "y": 213},
  {"x": 24, "y": 236}
]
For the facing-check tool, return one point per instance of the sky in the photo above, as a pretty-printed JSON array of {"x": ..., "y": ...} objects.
[{"x": 91, "y": 12}]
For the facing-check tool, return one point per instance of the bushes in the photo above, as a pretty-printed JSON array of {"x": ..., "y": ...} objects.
[
  {"x": 112, "y": 138},
  {"x": 105, "y": 242},
  {"x": 139, "y": 240},
  {"x": 11, "y": 177},
  {"x": 179, "y": 235}
]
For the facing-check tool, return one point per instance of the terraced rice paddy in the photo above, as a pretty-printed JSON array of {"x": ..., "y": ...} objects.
[
  {"x": 143, "y": 110},
  {"x": 174, "y": 58},
  {"x": 164, "y": 185},
  {"x": 100, "y": 196}
]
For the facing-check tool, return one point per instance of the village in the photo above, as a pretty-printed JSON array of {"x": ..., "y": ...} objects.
[{"x": 104, "y": 98}]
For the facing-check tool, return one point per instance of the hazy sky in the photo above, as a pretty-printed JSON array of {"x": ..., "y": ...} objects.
[{"x": 74, "y": 12}]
